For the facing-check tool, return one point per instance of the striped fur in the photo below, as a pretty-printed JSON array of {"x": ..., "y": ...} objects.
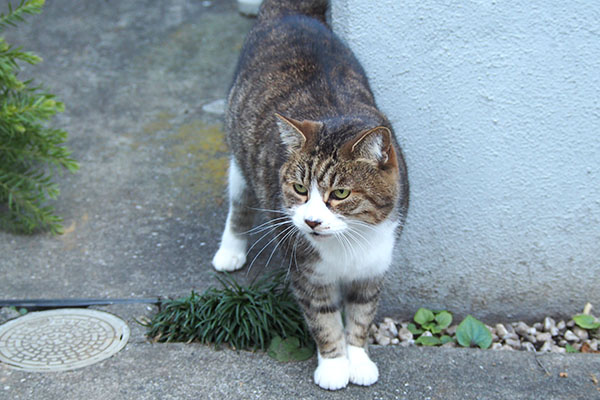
[{"x": 302, "y": 125}]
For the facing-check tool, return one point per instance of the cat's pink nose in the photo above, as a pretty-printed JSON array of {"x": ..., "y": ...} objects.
[{"x": 312, "y": 224}]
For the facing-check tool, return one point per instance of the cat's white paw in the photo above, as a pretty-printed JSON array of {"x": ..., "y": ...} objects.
[
  {"x": 363, "y": 371},
  {"x": 332, "y": 373},
  {"x": 231, "y": 255}
]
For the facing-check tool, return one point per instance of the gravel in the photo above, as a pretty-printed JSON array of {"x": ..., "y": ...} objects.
[{"x": 541, "y": 337}]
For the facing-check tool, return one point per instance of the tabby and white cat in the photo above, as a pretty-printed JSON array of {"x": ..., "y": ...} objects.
[{"x": 311, "y": 149}]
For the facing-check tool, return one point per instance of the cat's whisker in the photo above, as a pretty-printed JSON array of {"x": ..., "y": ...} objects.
[
  {"x": 264, "y": 226},
  {"x": 267, "y": 245},
  {"x": 272, "y": 228},
  {"x": 345, "y": 246},
  {"x": 362, "y": 224},
  {"x": 356, "y": 236},
  {"x": 295, "y": 250},
  {"x": 290, "y": 231},
  {"x": 293, "y": 255}
]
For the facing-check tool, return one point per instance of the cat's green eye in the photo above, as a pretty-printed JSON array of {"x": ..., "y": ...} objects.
[
  {"x": 340, "y": 194},
  {"x": 300, "y": 189}
]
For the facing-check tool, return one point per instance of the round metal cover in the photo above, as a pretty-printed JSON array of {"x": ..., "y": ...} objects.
[{"x": 61, "y": 340}]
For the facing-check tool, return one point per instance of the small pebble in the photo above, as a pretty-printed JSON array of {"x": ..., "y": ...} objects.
[
  {"x": 391, "y": 326},
  {"x": 523, "y": 329},
  {"x": 546, "y": 347},
  {"x": 382, "y": 339},
  {"x": 558, "y": 349},
  {"x": 516, "y": 344},
  {"x": 404, "y": 334},
  {"x": 497, "y": 346},
  {"x": 501, "y": 330},
  {"x": 543, "y": 337},
  {"x": 531, "y": 338},
  {"x": 215, "y": 107},
  {"x": 549, "y": 323},
  {"x": 528, "y": 346},
  {"x": 561, "y": 325},
  {"x": 571, "y": 337},
  {"x": 581, "y": 333}
]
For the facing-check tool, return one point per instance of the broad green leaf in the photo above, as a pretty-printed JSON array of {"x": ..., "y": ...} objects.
[
  {"x": 443, "y": 319},
  {"x": 413, "y": 329},
  {"x": 435, "y": 330},
  {"x": 423, "y": 316},
  {"x": 429, "y": 326},
  {"x": 472, "y": 332},
  {"x": 586, "y": 321},
  {"x": 428, "y": 340},
  {"x": 289, "y": 349},
  {"x": 446, "y": 339}
]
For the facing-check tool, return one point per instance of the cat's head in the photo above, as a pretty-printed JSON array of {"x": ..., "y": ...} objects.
[{"x": 337, "y": 175}]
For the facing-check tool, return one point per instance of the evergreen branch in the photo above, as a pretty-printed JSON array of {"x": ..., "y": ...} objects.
[
  {"x": 29, "y": 151},
  {"x": 16, "y": 15},
  {"x": 25, "y": 195},
  {"x": 19, "y": 154}
]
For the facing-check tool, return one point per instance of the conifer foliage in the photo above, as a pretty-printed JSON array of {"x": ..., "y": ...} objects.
[{"x": 30, "y": 151}]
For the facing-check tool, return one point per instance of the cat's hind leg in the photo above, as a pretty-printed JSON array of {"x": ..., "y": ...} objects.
[{"x": 231, "y": 255}]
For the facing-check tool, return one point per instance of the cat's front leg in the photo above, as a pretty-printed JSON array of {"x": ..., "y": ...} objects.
[
  {"x": 231, "y": 255},
  {"x": 361, "y": 298},
  {"x": 321, "y": 307}
]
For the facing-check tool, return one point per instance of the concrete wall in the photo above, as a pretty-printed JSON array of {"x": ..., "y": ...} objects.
[{"x": 497, "y": 107}]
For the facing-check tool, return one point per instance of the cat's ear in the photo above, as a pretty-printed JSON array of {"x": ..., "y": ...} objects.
[
  {"x": 374, "y": 145},
  {"x": 296, "y": 134}
]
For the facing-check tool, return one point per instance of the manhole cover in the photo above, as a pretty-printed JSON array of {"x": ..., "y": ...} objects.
[{"x": 61, "y": 340}]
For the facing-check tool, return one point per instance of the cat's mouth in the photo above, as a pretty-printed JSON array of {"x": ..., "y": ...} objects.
[{"x": 319, "y": 235}]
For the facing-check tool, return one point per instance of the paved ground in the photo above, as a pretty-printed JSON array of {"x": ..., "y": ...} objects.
[
  {"x": 144, "y": 214},
  {"x": 189, "y": 371}
]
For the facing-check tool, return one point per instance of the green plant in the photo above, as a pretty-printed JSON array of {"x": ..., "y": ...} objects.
[
  {"x": 243, "y": 317},
  {"x": 289, "y": 349},
  {"x": 434, "y": 322},
  {"x": 21, "y": 311},
  {"x": 570, "y": 349},
  {"x": 586, "y": 321},
  {"x": 472, "y": 332},
  {"x": 30, "y": 152}
]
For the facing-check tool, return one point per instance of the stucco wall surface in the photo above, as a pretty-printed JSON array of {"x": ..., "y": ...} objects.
[{"x": 497, "y": 107}]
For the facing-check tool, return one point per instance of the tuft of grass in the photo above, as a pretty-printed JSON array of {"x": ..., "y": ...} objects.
[{"x": 243, "y": 317}]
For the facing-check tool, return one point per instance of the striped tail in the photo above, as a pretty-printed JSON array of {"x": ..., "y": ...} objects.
[{"x": 271, "y": 9}]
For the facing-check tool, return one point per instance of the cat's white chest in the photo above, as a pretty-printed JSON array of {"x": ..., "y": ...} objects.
[{"x": 362, "y": 256}]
